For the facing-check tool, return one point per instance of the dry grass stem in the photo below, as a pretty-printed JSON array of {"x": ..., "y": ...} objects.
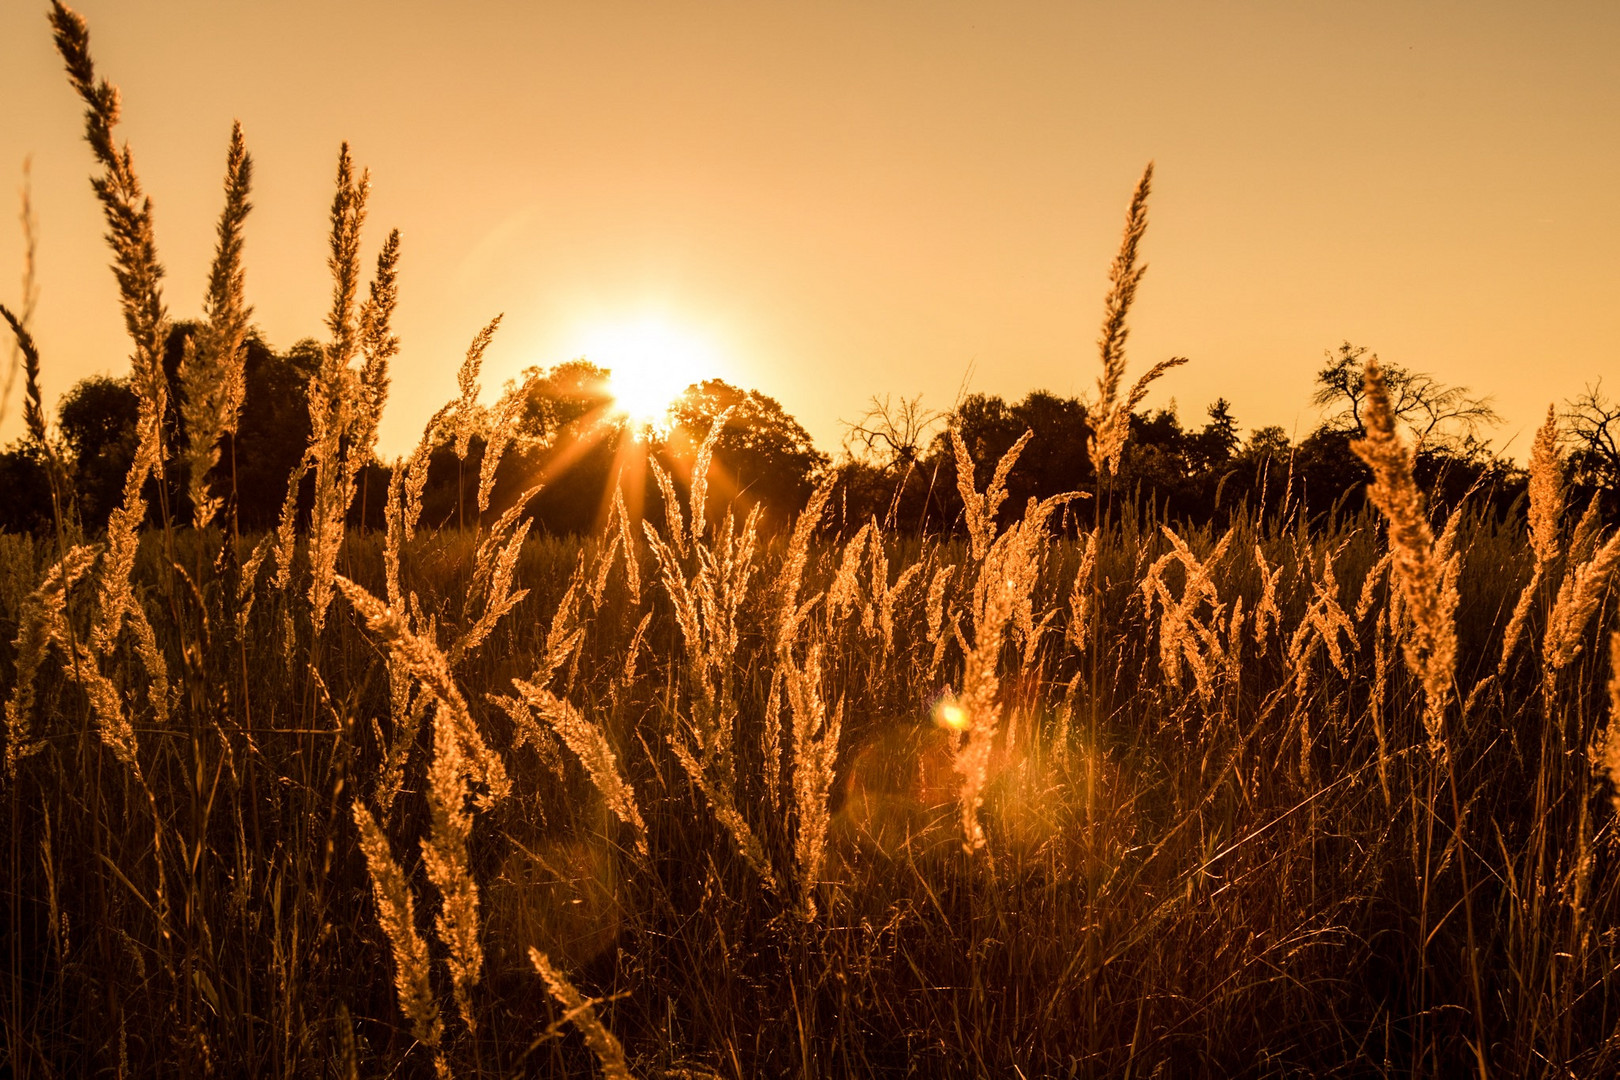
[
  {"x": 396, "y": 911},
  {"x": 427, "y": 664},
  {"x": 582, "y": 1014},
  {"x": 590, "y": 744},
  {"x": 1431, "y": 645},
  {"x": 444, "y": 855}
]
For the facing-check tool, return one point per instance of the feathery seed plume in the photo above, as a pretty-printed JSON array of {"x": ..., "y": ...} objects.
[
  {"x": 1611, "y": 740},
  {"x": 396, "y": 911},
  {"x": 212, "y": 379},
  {"x": 444, "y": 856},
  {"x": 469, "y": 420},
  {"x": 1431, "y": 647},
  {"x": 582, "y": 1014},
  {"x": 590, "y": 744},
  {"x": 428, "y": 665}
]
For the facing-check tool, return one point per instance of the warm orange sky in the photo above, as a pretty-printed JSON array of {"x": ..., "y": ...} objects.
[{"x": 856, "y": 198}]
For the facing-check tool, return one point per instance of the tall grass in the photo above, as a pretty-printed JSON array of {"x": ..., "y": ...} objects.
[{"x": 691, "y": 799}]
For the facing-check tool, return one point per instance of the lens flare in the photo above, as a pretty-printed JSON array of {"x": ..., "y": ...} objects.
[
  {"x": 651, "y": 360},
  {"x": 949, "y": 714}
]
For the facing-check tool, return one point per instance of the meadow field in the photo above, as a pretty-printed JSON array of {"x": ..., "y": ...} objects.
[{"x": 1072, "y": 788}]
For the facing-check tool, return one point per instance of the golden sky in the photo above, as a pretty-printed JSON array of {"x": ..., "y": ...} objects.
[{"x": 847, "y": 199}]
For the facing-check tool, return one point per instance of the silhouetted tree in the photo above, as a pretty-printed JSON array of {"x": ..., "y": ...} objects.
[
  {"x": 1593, "y": 425},
  {"x": 890, "y": 434},
  {"x": 1211, "y": 450},
  {"x": 97, "y": 420},
  {"x": 762, "y": 455},
  {"x": 567, "y": 437},
  {"x": 1438, "y": 415},
  {"x": 26, "y": 482},
  {"x": 273, "y": 432}
]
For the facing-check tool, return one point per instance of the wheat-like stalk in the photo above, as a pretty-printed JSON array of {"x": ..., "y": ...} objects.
[
  {"x": 30, "y": 297},
  {"x": 34, "y": 410},
  {"x": 396, "y": 911},
  {"x": 707, "y": 609},
  {"x": 1546, "y": 490},
  {"x": 632, "y": 562},
  {"x": 790, "y": 616},
  {"x": 1583, "y": 539},
  {"x": 1078, "y": 633},
  {"x": 1112, "y": 433},
  {"x": 378, "y": 346},
  {"x": 791, "y": 577},
  {"x": 39, "y": 624},
  {"x": 468, "y": 419},
  {"x": 1546, "y": 507},
  {"x": 135, "y": 266},
  {"x": 590, "y": 744},
  {"x": 1183, "y": 636},
  {"x": 494, "y": 570},
  {"x": 1006, "y": 577},
  {"x": 1266, "y": 612},
  {"x": 444, "y": 856},
  {"x": 1123, "y": 278},
  {"x": 427, "y": 664},
  {"x": 607, "y": 556},
  {"x": 416, "y": 475},
  {"x": 152, "y": 660},
  {"x": 582, "y": 1014},
  {"x": 564, "y": 635},
  {"x": 1580, "y": 594},
  {"x": 700, "y": 474},
  {"x": 33, "y": 397},
  {"x": 1383, "y": 631},
  {"x": 212, "y": 380},
  {"x": 333, "y": 395},
  {"x": 888, "y": 597},
  {"x": 844, "y": 591},
  {"x": 674, "y": 523},
  {"x": 934, "y": 614},
  {"x": 815, "y": 750},
  {"x": 247, "y": 582},
  {"x": 1427, "y": 586},
  {"x": 1611, "y": 737},
  {"x": 1110, "y": 417},
  {"x": 979, "y": 510},
  {"x": 627, "y": 676}
]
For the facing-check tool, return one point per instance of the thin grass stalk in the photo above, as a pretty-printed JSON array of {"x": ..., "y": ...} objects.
[
  {"x": 1428, "y": 586},
  {"x": 30, "y": 285},
  {"x": 139, "y": 274},
  {"x": 396, "y": 911},
  {"x": 428, "y": 665},
  {"x": 212, "y": 379},
  {"x": 333, "y": 394},
  {"x": 589, "y": 742},
  {"x": 581, "y": 1012},
  {"x": 444, "y": 855}
]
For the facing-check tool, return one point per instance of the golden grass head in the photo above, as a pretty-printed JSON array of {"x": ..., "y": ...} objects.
[
  {"x": 1611, "y": 741},
  {"x": 396, "y": 911},
  {"x": 581, "y": 1011},
  {"x": 1427, "y": 585},
  {"x": 1546, "y": 490}
]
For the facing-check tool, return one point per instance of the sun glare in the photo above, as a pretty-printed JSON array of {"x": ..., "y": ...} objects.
[{"x": 651, "y": 360}]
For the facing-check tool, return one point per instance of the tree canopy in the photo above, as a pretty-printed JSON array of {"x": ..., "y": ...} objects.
[{"x": 560, "y": 431}]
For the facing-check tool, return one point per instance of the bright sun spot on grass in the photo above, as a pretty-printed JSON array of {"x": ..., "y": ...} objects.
[
  {"x": 652, "y": 361},
  {"x": 948, "y": 714}
]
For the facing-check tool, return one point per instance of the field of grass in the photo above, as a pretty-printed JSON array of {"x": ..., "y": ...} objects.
[
  {"x": 1113, "y": 804},
  {"x": 1054, "y": 794}
]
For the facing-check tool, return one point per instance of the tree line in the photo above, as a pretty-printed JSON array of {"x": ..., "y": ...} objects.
[{"x": 897, "y": 465}]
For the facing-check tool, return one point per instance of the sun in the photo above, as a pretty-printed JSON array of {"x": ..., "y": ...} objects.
[{"x": 651, "y": 361}]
